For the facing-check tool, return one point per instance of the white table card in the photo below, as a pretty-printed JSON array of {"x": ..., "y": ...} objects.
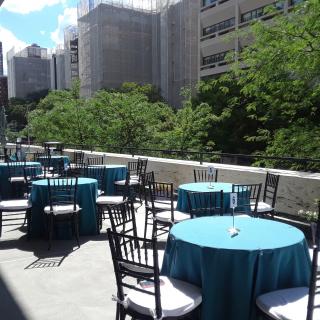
[
  {"x": 233, "y": 204},
  {"x": 211, "y": 173}
]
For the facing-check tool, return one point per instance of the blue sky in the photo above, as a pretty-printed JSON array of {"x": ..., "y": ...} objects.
[{"x": 23, "y": 22}]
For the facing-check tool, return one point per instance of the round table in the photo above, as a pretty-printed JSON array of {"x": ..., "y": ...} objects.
[
  {"x": 4, "y": 176},
  {"x": 233, "y": 270},
  {"x": 113, "y": 172},
  {"x": 86, "y": 198},
  {"x": 182, "y": 204}
]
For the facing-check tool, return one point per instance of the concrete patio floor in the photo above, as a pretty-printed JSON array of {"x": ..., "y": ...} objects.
[{"x": 66, "y": 282}]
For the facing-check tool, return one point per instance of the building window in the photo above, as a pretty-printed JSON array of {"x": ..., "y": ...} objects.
[
  {"x": 254, "y": 14},
  {"x": 218, "y": 57},
  {"x": 294, "y": 2},
  {"x": 218, "y": 26},
  {"x": 257, "y": 13},
  {"x": 207, "y": 2}
]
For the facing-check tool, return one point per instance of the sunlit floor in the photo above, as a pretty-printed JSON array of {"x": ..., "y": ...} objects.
[{"x": 63, "y": 283}]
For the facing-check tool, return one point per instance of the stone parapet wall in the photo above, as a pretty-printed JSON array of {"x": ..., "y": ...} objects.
[{"x": 297, "y": 190}]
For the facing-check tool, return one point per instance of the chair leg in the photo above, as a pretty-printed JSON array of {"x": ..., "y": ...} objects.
[
  {"x": 0, "y": 223},
  {"x": 122, "y": 313},
  {"x": 98, "y": 218},
  {"x": 50, "y": 229},
  {"x": 117, "y": 312},
  {"x": 76, "y": 228},
  {"x": 146, "y": 223},
  {"x": 28, "y": 218}
]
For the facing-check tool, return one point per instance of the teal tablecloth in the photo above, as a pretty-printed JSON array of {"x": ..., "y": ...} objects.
[
  {"x": 232, "y": 271},
  {"x": 4, "y": 176},
  {"x": 113, "y": 173},
  {"x": 86, "y": 198},
  {"x": 182, "y": 204}
]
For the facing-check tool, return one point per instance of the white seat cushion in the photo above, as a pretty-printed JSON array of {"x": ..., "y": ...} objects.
[
  {"x": 165, "y": 216},
  {"x": 61, "y": 209},
  {"x": 164, "y": 204},
  {"x": 16, "y": 179},
  {"x": 177, "y": 298},
  {"x": 262, "y": 207},
  {"x": 311, "y": 255},
  {"x": 109, "y": 199},
  {"x": 134, "y": 177},
  {"x": 100, "y": 192},
  {"x": 287, "y": 304},
  {"x": 132, "y": 182},
  {"x": 143, "y": 260},
  {"x": 12, "y": 205}
]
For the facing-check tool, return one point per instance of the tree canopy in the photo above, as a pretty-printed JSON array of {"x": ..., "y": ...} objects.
[{"x": 267, "y": 104}]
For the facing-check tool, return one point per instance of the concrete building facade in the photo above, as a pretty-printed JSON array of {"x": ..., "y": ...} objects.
[
  {"x": 57, "y": 70},
  {"x": 218, "y": 21},
  {"x": 28, "y": 71}
]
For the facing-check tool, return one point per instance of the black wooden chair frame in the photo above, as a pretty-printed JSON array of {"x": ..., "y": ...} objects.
[{"x": 63, "y": 192}]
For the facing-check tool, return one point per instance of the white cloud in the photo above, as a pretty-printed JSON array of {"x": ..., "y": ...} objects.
[
  {"x": 9, "y": 40},
  {"x": 69, "y": 17},
  {"x": 25, "y": 7}
]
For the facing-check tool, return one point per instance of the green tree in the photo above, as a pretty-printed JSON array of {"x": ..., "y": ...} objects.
[{"x": 282, "y": 77}]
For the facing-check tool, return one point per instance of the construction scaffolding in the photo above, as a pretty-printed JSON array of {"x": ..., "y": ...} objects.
[
  {"x": 71, "y": 55},
  {"x": 146, "y": 41}
]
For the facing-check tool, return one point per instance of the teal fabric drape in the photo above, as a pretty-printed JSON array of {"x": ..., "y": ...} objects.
[
  {"x": 232, "y": 271},
  {"x": 4, "y": 176},
  {"x": 86, "y": 198}
]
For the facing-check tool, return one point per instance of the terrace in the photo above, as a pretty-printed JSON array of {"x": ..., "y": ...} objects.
[{"x": 77, "y": 283}]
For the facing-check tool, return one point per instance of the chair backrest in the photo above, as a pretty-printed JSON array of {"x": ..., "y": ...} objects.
[
  {"x": 271, "y": 188},
  {"x": 59, "y": 168},
  {"x": 127, "y": 265},
  {"x": 201, "y": 175},
  {"x": 137, "y": 167},
  {"x": 97, "y": 173},
  {"x": 62, "y": 191},
  {"x": 145, "y": 179},
  {"x": 122, "y": 218},
  {"x": 44, "y": 158},
  {"x": 142, "y": 166},
  {"x": 95, "y": 161},
  {"x": 205, "y": 203},
  {"x": 31, "y": 173},
  {"x": 248, "y": 196},
  {"x": 160, "y": 191},
  {"x": 15, "y": 169},
  {"x": 78, "y": 157},
  {"x": 132, "y": 167}
]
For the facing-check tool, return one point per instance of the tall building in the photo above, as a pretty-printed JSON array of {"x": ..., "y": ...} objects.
[
  {"x": 146, "y": 41},
  {"x": 218, "y": 20},
  {"x": 71, "y": 55},
  {"x": 1, "y": 60},
  {"x": 1, "y": 2},
  {"x": 28, "y": 71},
  {"x": 57, "y": 70}
]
